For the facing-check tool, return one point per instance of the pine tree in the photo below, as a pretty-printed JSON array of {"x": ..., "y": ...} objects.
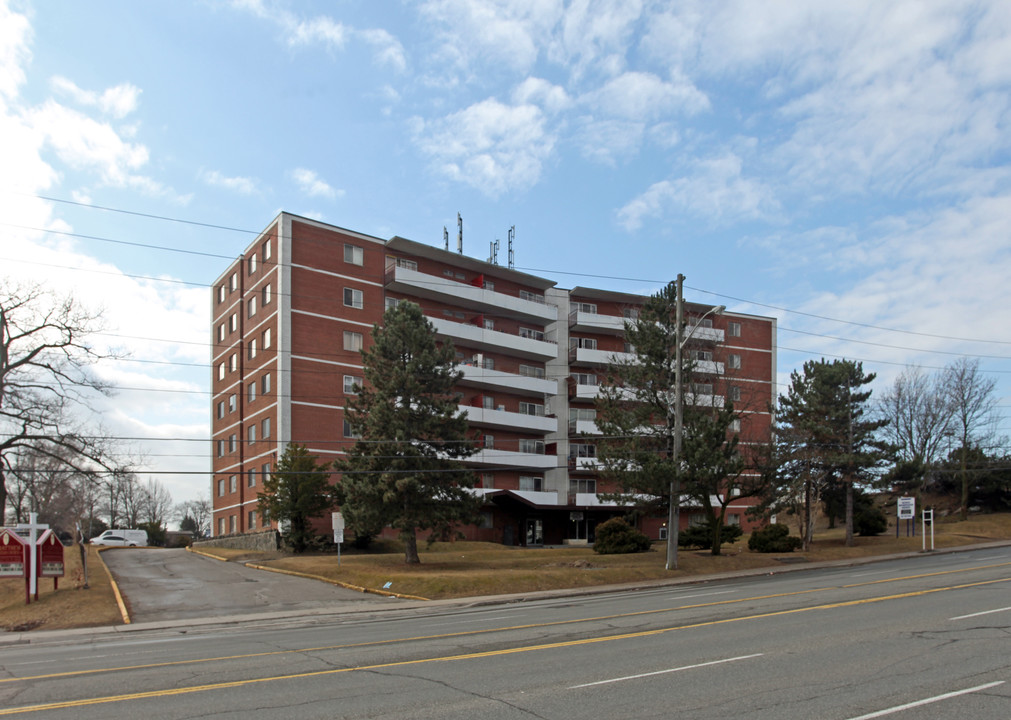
[
  {"x": 824, "y": 417},
  {"x": 403, "y": 468},
  {"x": 297, "y": 491}
]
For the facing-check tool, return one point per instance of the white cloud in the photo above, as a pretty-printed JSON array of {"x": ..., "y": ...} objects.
[
  {"x": 241, "y": 185},
  {"x": 537, "y": 91},
  {"x": 596, "y": 33},
  {"x": 314, "y": 186},
  {"x": 717, "y": 191},
  {"x": 389, "y": 51},
  {"x": 490, "y": 146},
  {"x": 605, "y": 141},
  {"x": 644, "y": 96},
  {"x": 15, "y": 34},
  {"x": 318, "y": 29},
  {"x": 118, "y": 101}
]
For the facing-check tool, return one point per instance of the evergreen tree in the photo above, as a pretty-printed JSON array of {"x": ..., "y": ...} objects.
[
  {"x": 823, "y": 417},
  {"x": 297, "y": 491},
  {"x": 403, "y": 468}
]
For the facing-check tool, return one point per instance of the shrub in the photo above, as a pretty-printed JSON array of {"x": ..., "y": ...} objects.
[
  {"x": 701, "y": 536},
  {"x": 616, "y": 537},
  {"x": 774, "y": 538},
  {"x": 870, "y": 521}
]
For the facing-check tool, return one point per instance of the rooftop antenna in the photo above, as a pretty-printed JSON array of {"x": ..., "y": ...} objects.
[
  {"x": 459, "y": 233},
  {"x": 445, "y": 236},
  {"x": 493, "y": 252},
  {"x": 512, "y": 255}
]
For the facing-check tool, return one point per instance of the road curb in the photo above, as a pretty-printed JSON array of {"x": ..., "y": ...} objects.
[
  {"x": 115, "y": 589},
  {"x": 348, "y": 586}
]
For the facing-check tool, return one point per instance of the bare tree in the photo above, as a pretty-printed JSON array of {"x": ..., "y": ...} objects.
[
  {"x": 45, "y": 382},
  {"x": 199, "y": 511},
  {"x": 974, "y": 412},
  {"x": 155, "y": 503}
]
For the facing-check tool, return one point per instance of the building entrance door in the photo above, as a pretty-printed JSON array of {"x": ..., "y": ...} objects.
[{"x": 535, "y": 532}]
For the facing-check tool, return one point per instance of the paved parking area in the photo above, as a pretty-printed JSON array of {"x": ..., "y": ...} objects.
[{"x": 170, "y": 584}]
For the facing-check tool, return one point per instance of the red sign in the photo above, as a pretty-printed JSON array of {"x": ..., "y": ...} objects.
[
  {"x": 13, "y": 555},
  {"x": 49, "y": 561}
]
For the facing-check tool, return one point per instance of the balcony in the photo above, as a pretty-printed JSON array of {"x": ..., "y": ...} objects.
[
  {"x": 705, "y": 334},
  {"x": 592, "y": 322},
  {"x": 475, "y": 376},
  {"x": 512, "y": 459},
  {"x": 584, "y": 464},
  {"x": 583, "y": 427},
  {"x": 707, "y": 367},
  {"x": 585, "y": 356},
  {"x": 454, "y": 292},
  {"x": 505, "y": 420},
  {"x": 703, "y": 400},
  {"x": 481, "y": 338}
]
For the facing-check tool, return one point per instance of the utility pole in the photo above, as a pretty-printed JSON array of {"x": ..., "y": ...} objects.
[{"x": 674, "y": 507}]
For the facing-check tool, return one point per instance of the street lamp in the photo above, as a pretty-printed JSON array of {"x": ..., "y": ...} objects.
[{"x": 674, "y": 505}]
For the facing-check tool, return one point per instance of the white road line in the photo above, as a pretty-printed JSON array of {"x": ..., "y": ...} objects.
[
  {"x": 664, "y": 672},
  {"x": 462, "y": 622},
  {"x": 985, "y": 612},
  {"x": 927, "y": 701},
  {"x": 876, "y": 572}
]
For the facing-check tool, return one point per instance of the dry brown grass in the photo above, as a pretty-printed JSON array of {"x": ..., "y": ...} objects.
[
  {"x": 70, "y": 606},
  {"x": 464, "y": 569}
]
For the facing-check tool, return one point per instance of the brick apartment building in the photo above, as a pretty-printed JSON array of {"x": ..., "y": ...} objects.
[{"x": 291, "y": 315}]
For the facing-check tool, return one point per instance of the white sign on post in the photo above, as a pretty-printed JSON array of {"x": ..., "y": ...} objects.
[{"x": 907, "y": 508}]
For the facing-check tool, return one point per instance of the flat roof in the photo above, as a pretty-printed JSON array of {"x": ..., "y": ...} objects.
[{"x": 465, "y": 261}]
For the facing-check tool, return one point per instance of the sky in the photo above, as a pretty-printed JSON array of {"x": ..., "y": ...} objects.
[{"x": 843, "y": 167}]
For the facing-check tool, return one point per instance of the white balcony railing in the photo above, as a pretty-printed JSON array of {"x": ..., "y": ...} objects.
[
  {"x": 509, "y": 420},
  {"x": 475, "y": 376},
  {"x": 511, "y": 458},
  {"x": 592, "y": 322},
  {"x": 482, "y": 338}
]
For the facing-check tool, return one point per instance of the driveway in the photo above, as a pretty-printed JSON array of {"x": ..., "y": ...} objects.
[{"x": 171, "y": 584}]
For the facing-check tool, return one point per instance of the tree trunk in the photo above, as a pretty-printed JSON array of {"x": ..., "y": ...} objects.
[
  {"x": 410, "y": 547},
  {"x": 806, "y": 529},
  {"x": 964, "y": 511}
]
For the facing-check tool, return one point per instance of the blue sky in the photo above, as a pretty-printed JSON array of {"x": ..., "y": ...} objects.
[{"x": 841, "y": 166}]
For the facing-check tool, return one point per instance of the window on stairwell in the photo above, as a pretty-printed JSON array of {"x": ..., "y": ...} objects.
[
  {"x": 354, "y": 255},
  {"x": 531, "y": 483}
]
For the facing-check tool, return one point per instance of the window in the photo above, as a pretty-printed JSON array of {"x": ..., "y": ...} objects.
[
  {"x": 233, "y": 282},
  {"x": 232, "y": 442},
  {"x": 252, "y": 263},
  {"x": 585, "y": 379},
  {"x": 221, "y": 526},
  {"x": 630, "y": 314},
  {"x": 392, "y": 302},
  {"x": 266, "y": 338},
  {"x": 534, "y": 447},
  {"x": 251, "y": 434},
  {"x": 702, "y": 355},
  {"x": 252, "y": 348},
  {"x": 221, "y": 371},
  {"x": 221, "y": 409},
  {"x": 489, "y": 323},
  {"x": 233, "y": 483},
  {"x": 488, "y": 285},
  {"x": 585, "y": 343},
  {"x": 488, "y": 363},
  {"x": 583, "y": 485},
  {"x": 702, "y": 388},
  {"x": 734, "y": 329},
  {"x": 251, "y": 305},
  {"x": 488, "y": 480},
  {"x": 488, "y": 441},
  {"x": 221, "y": 487},
  {"x": 352, "y": 340},
  {"x": 251, "y": 394},
  {"x": 486, "y": 521},
  {"x": 734, "y": 362},
  {"x": 703, "y": 323},
  {"x": 531, "y": 371},
  {"x": 735, "y": 393},
  {"x": 349, "y": 432},
  {"x": 582, "y": 414},
  {"x": 231, "y": 403},
  {"x": 221, "y": 448},
  {"x": 532, "y": 297},
  {"x": 531, "y": 483},
  {"x": 354, "y": 255},
  {"x": 353, "y": 298},
  {"x": 266, "y": 293},
  {"x": 221, "y": 332},
  {"x": 251, "y": 477},
  {"x": 265, "y": 384},
  {"x": 265, "y": 249},
  {"x": 233, "y": 363},
  {"x": 232, "y": 323},
  {"x": 582, "y": 450},
  {"x": 488, "y": 402},
  {"x": 532, "y": 334},
  {"x": 251, "y": 522},
  {"x": 629, "y": 348},
  {"x": 529, "y": 408},
  {"x": 407, "y": 264},
  {"x": 265, "y": 472},
  {"x": 735, "y": 425},
  {"x": 590, "y": 308},
  {"x": 265, "y": 428},
  {"x": 221, "y": 293},
  {"x": 349, "y": 384},
  {"x": 231, "y": 523}
]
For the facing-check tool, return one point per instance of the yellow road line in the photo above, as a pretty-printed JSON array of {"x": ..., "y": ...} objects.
[
  {"x": 115, "y": 590},
  {"x": 472, "y": 656},
  {"x": 465, "y": 633}
]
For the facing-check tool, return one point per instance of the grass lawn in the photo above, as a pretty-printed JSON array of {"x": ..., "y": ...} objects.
[{"x": 465, "y": 569}]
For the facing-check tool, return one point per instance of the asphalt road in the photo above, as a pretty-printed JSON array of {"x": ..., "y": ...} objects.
[
  {"x": 925, "y": 638},
  {"x": 170, "y": 584}
]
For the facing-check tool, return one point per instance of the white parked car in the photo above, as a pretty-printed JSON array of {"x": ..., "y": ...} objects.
[{"x": 124, "y": 538}]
